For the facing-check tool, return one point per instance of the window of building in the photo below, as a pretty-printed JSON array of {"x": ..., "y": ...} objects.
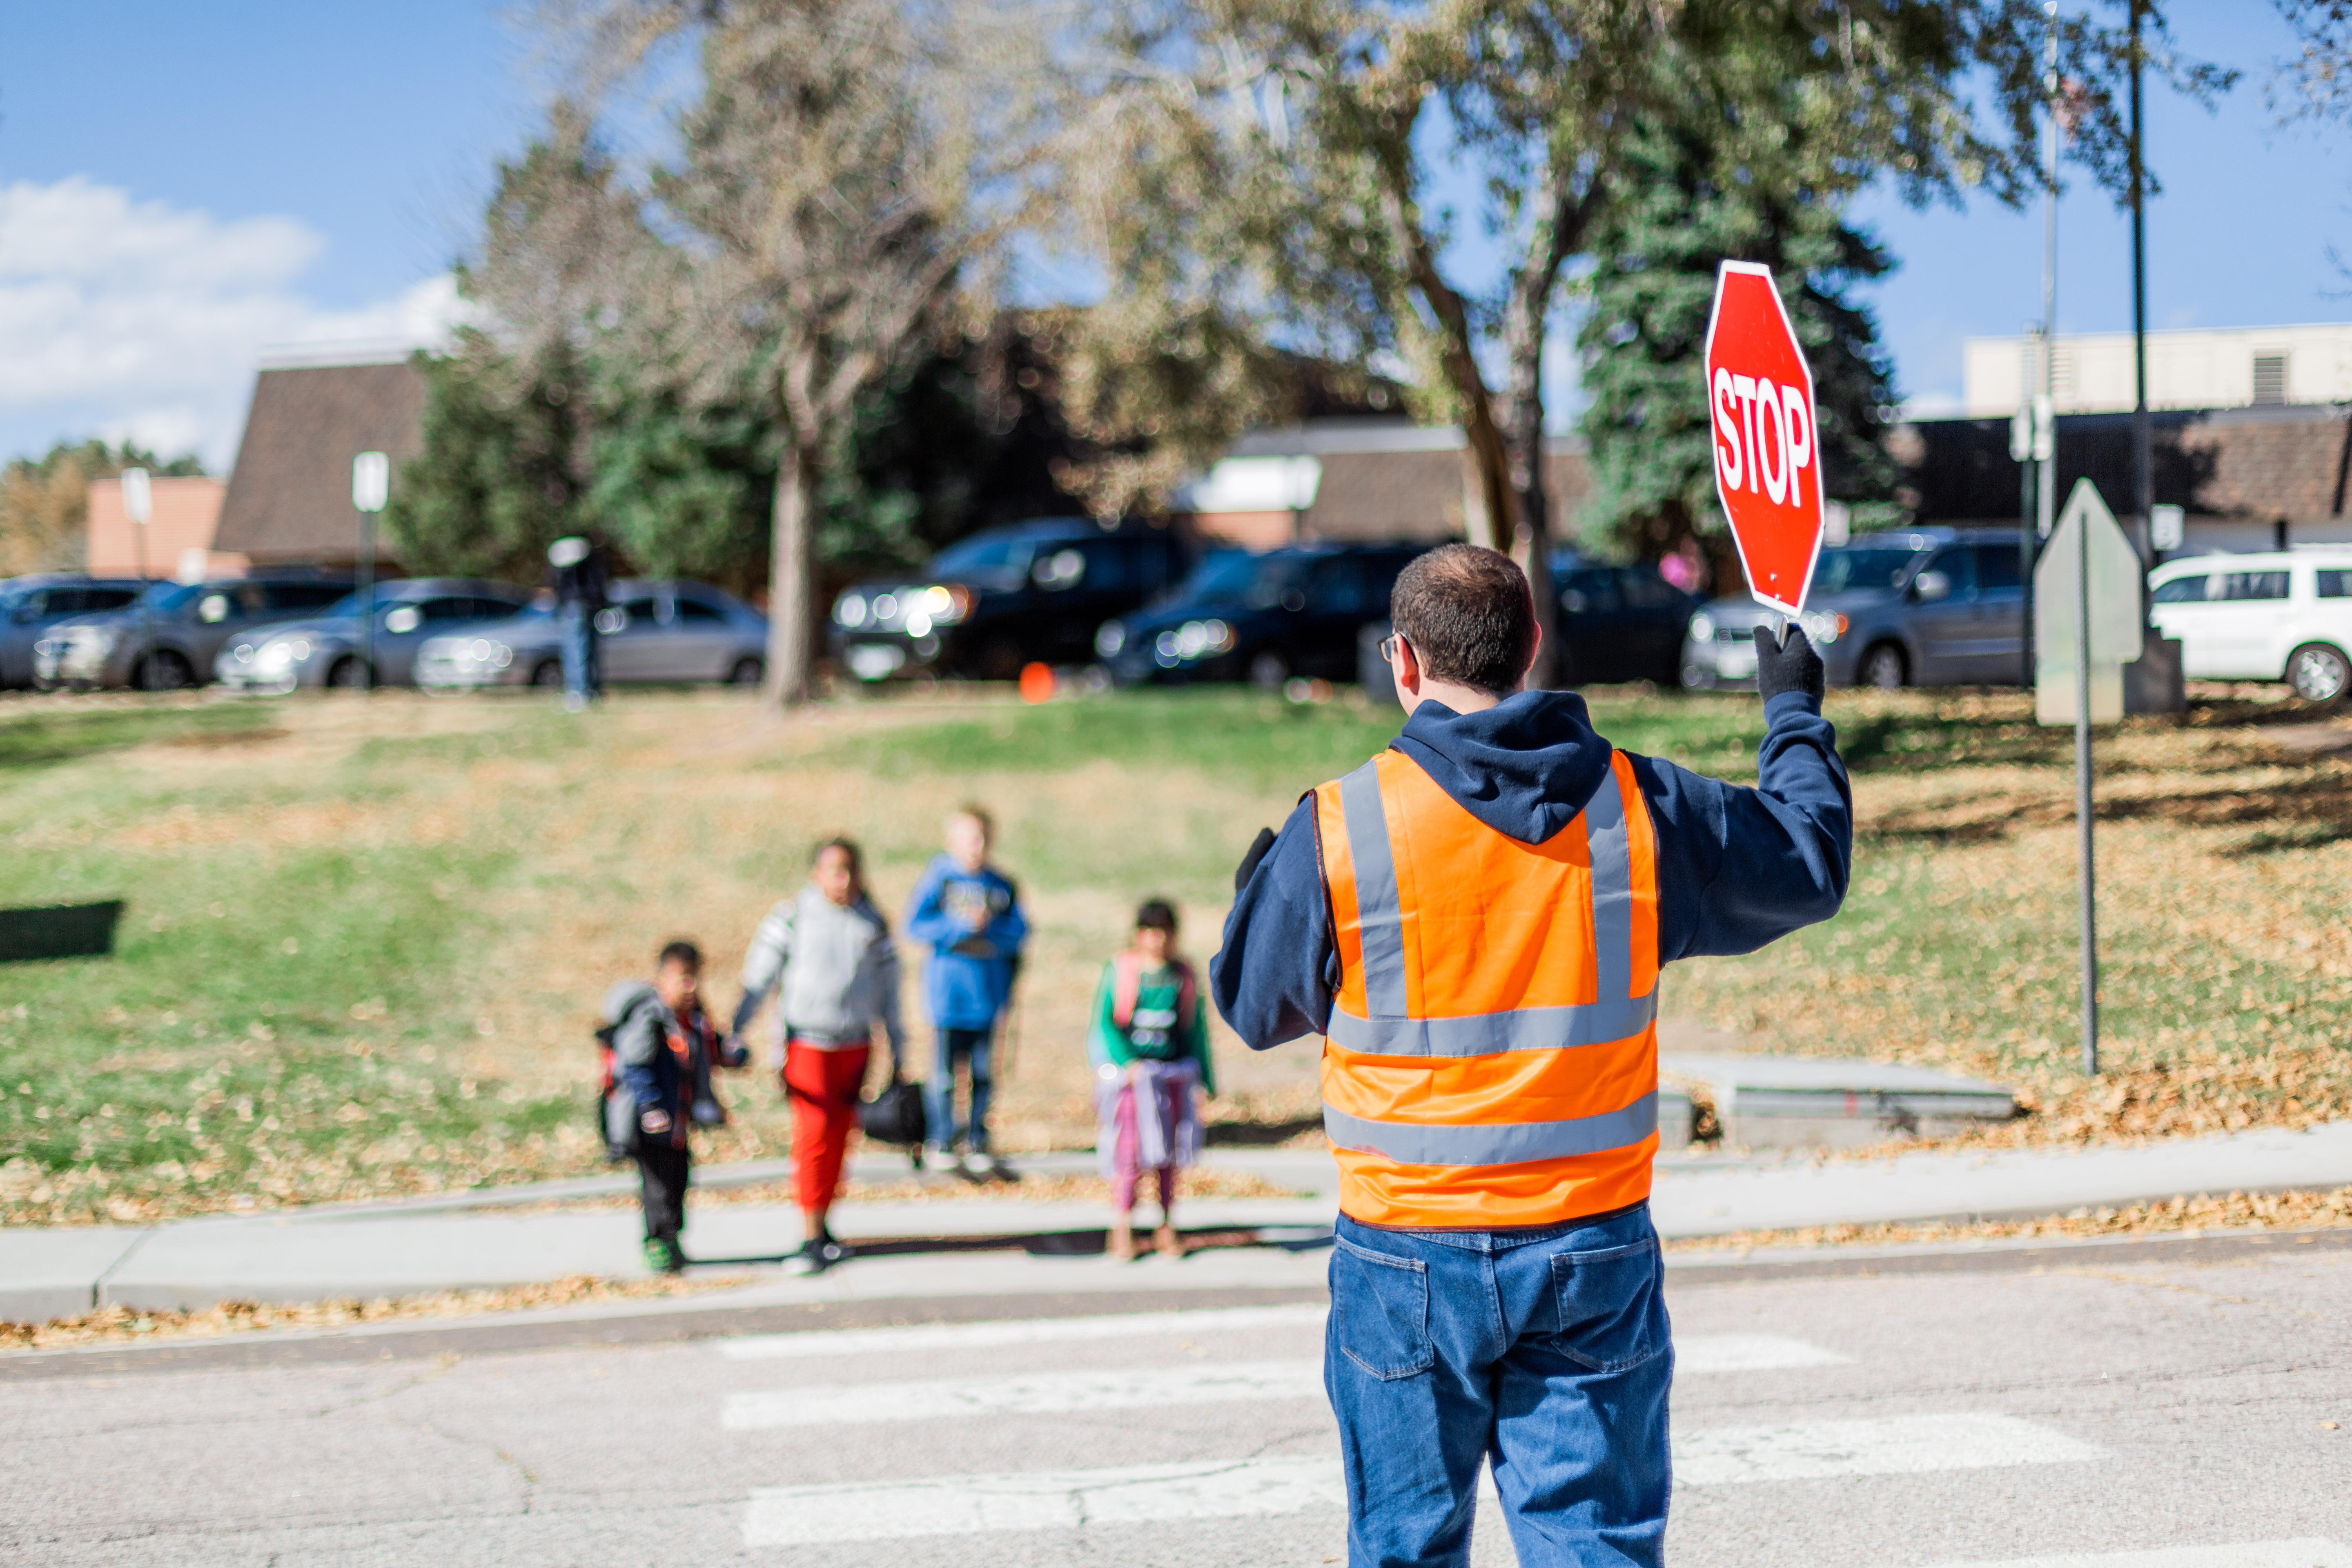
[{"x": 2269, "y": 378}]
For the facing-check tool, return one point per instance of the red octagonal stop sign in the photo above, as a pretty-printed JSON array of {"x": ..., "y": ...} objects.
[{"x": 1767, "y": 469}]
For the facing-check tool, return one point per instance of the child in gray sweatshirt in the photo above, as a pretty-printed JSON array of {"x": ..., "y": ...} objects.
[{"x": 827, "y": 953}]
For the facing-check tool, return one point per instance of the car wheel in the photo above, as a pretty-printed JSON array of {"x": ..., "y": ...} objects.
[
  {"x": 2318, "y": 672},
  {"x": 747, "y": 671},
  {"x": 548, "y": 673},
  {"x": 344, "y": 674},
  {"x": 1268, "y": 671},
  {"x": 1884, "y": 666},
  {"x": 164, "y": 670}
]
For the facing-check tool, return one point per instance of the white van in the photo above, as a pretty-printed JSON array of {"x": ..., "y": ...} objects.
[{"x": 2283, "y": 615}]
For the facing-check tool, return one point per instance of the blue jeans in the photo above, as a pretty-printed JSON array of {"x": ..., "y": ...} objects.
[
  {"x": 951, "y": 1046},
  {"x": 583, "y": 679},
  {"x": 1546, "y": 1348}
]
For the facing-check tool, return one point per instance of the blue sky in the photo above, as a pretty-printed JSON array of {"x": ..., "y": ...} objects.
[{"x": 181, "y": 186}]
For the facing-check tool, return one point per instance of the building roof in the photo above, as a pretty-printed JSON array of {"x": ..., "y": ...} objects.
[
  {"x": 2291, "y": 464},
  {"x": 289, "y": 495}
]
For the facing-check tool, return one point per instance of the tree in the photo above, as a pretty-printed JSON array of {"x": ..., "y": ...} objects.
[
  {"x": 1684, "y": 195},
  {"x": 45, "y": 500},
  {"x": 842, "y": 171},
  {"x": 1317, "y": 118},
  {"x": 494, "y": 480}
]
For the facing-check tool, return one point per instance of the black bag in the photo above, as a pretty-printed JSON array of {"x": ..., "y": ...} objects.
[{"x": 894, "y": 1114}]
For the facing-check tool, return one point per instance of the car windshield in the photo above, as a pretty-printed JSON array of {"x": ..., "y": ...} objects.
[
  {"x": 1859, "y": 568},
  {"x": 164, "y": 597},
  {"x": 985, "y": 556},
  {"x": 1237, "y": 577}
]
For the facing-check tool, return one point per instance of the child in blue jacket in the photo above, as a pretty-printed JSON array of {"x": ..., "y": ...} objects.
[{"x": 971, "y": 914}]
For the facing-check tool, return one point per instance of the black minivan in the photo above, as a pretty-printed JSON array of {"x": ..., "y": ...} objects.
[{"x": 1003, "y": 598}]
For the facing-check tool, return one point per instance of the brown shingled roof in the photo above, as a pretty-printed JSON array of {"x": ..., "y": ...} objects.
[{"x": 290, "y": 497}]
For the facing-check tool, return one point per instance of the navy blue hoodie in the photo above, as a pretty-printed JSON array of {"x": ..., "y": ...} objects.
[{"x": 1737, "y": 867}]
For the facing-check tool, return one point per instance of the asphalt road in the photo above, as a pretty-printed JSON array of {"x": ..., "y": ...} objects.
[{"x": 2173, "y": 1415}]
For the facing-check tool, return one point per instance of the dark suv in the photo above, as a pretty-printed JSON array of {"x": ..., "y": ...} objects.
[
  {"x": 1293, "y": 612},
  {"x": 1003, "y": 598}
]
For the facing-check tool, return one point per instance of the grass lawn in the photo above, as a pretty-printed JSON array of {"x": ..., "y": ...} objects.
[{"x": 365, "y": 940}]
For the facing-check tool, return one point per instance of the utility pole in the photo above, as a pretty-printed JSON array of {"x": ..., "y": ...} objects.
[
  {"x": 2045, "y": 412},
  {"x": 2143, "y": 437}
]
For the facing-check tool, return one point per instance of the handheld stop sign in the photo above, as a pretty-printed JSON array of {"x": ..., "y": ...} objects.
[{"x": 1767, "y": 468}]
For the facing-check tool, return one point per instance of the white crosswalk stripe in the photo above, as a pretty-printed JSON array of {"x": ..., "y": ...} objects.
[
  {"x": 1051, "y": 1499},
  {"x": 1883, "y": 1446},
  {"x": 1749, "y": 1352},
  {"x": 1044, "y": 1500},
  {"x": 1015, "y": 1331},
  {"x": 2244, "y": 1554},
  {"x": 1039, "y": 1393},
  {"x": 1693, "y": 1353}
]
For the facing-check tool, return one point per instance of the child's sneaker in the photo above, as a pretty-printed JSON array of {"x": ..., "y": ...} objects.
[
  {"x": 813, "y": 1257},
  {"x": 664, "y": 1257}
]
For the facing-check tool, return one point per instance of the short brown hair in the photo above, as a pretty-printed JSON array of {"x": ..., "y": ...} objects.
[{"x": 1467, "y": 614}]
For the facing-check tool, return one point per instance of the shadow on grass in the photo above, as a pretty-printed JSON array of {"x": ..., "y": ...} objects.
[{"x": 38, "y": 740}]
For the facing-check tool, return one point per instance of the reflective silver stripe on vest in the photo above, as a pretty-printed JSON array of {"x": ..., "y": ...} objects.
[
  {"x": 1380, "y": 914},
  {"x": 1418, "y": 1144},
  {"x": 1612, "y": 890},
  {"x": 1485, "y": 1034}
]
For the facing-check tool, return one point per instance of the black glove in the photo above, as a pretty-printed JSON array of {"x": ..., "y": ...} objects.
[
  {"x": 1788, "y": 665},
  {"x": 1258, "y": 847}
]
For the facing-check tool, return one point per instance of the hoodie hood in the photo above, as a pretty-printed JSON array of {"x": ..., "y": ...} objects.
[
  {"x": 626, "y": 997},
  {"x": 1524, "y": 767}
]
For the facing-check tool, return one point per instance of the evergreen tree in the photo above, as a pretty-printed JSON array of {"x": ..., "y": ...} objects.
[
  {"x": 1686, "y": 200},
  {"x": 494, "y": 482}
]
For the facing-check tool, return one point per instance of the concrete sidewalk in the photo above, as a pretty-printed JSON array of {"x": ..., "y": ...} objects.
[{"x": 1007, "y": 1246}]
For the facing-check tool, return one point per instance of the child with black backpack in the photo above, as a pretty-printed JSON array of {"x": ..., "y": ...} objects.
[{"x": 659, "y": 1048}]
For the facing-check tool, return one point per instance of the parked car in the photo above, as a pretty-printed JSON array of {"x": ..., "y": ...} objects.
[
  {"x": 1003, "y": 598},
  {"x": 1619, "y": 623},
  {"x": 29, "y": 607},
  {"x": 1266, "y": 617},
  {"x": 169, "y": 637},
  {"x": 655, "y": 632},
  {"x": 2272, "y": 617},
  {"x": 325, "y": 649},
  {"x": 1929, "y": 606}
]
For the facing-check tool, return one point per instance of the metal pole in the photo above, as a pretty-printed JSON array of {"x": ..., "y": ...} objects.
[
  {"x": 2027, "y": 479},
  {"x": 367, "y": 601},
  {"x": 2047, "y": 513},
  {"x": 2143, "y": 452},
  {"x": 2082, "y": 796}
]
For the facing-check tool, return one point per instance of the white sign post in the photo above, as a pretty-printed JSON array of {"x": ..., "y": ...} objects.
[
  {"x": 2087, "y": 626},
  {"x": 371, "y": 488},
  {"x": 139, "y": 505}
]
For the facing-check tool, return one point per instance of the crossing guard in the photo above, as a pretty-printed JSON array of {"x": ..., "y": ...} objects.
[{"x": 1474, "y": 923}]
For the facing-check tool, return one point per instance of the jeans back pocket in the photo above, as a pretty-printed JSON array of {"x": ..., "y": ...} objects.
[
  {"x": 1380, "y": 1310},
  {"x": 1613, "y": 1309}
]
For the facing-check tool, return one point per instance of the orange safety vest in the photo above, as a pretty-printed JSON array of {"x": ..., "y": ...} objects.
[{"x": 1492, "y": 1055}]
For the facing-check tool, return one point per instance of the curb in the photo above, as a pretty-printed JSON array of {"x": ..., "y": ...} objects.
[{"x": 2022, "y": 1255}]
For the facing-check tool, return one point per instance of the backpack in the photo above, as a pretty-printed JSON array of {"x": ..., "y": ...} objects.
[
  {"x": 608, "y": 1078},
  {"x": 894, "y": 1114}
]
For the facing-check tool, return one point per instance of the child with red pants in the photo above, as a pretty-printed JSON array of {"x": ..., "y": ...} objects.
[{"x": 827, "y": 952}]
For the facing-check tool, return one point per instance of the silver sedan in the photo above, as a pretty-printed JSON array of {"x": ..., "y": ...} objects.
[
  {"x": 327, "y": 649},
  {"x": 656, "y": 631}
]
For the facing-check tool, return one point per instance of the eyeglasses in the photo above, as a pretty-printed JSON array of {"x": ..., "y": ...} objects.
[{"x": 1389, "y": 647}]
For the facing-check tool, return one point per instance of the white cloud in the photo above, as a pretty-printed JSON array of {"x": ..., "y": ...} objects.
[{"x": 128, "y": 318}]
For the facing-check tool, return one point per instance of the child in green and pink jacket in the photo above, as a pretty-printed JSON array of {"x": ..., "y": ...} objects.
[{"x": 1149, "y": 1044}]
